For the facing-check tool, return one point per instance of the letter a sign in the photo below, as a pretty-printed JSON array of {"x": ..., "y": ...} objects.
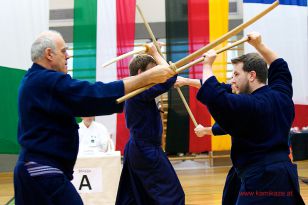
[{"x": 88, "y": 180}]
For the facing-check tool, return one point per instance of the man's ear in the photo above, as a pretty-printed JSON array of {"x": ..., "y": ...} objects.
[
  {"x": 48, "y": 53},
  {"x": 139, "y": 71},
  {"x": 252, "y": 76}
]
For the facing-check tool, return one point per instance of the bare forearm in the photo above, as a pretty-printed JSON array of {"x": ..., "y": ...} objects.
[
  {"x": 135, "y": 82},
  {"x": 194, "y": 83},
  {"x": 159, "y": 59},
  {"x": 207, "y": 72},
  {"x": 255, "y": 40},
  {"x": 158, "y": 74},
  {"x": 268, "y": 55},
  {"x": 207, "y": 131},
  {"x": 152, "y": 50},
  {"x": 209, "y": 59},
  {"x": 202, "y": 131}
]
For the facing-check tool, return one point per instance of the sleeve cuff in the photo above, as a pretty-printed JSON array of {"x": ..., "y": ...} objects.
[{"x": 204, "y": 94}]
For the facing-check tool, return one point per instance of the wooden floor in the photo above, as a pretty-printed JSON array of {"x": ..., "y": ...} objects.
[
  {"x": 202, "y": 186},
  {"x": 6, "y": 187},
  {"x": 206, "y": 186}
]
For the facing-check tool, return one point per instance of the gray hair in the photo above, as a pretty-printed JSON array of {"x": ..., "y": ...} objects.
[{"x": 45, "y": 40}]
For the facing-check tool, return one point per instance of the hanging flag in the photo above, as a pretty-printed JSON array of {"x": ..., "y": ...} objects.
[
  {"x": 103, "y": 30},
  {"x": 177, "y": 136},
  {"x": 187, "y": 30},
  {"x": 208, "y": 20},
  {"x": 28, "y": 20},
  {"x": 285, "y": 31}
]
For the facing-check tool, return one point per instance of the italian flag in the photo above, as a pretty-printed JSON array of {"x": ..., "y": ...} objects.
[{"x": 103, "y": 30}]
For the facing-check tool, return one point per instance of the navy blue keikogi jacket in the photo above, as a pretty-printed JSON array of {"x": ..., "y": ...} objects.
[
  {"x": 259, "y": 123},
  {"x": 47, "y": 104}
]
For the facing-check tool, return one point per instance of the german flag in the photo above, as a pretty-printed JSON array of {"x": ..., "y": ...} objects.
[{"x": 191, "y": 24}]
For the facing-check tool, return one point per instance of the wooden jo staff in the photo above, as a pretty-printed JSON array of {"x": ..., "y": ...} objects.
[
  {"x": 147, "y": 26},
  {"x": 206, "y": 48},
  {"x": 181, "y": 69},
  {"x": 143, "y": 49},
  {"x": 226, "y": 36},
  {"x": 159, "y": 51},
  {"x": 199, "y": 60},
  {"x": 187, "y": 107}
]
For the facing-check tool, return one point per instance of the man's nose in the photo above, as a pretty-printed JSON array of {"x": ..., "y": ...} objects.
[
  {"x": 232, "y": 80},
  {"x": 67, "y": 56}
]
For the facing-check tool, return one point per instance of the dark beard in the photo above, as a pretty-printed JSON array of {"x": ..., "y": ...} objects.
[{"x": 246, "y": 89}]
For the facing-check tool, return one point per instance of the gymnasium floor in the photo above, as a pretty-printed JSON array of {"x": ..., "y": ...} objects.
[{"x": 201, "y": 186}]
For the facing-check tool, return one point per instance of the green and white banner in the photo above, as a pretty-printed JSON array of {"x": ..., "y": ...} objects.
[
  {"x": 103, "y": 30},
  {"x": 20, "y": 21}
]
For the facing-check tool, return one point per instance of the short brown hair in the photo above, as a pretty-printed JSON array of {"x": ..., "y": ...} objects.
[
  {"x": 253, "y": 62},
  {"x": 140, "y": 62}
]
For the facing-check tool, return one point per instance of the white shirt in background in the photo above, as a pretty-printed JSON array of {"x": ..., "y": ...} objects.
[{"x": 94, "y": 138}]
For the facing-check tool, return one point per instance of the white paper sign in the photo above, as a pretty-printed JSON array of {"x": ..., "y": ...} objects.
[{"x": 88, "y": 180}]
